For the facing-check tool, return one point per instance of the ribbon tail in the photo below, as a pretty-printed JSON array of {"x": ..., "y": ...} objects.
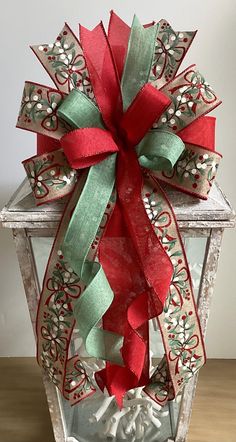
[
  {"x": 130, "y": 289},
  {"x": 178, "y": 323},
  {"x": 141, "y": 247},
  {"x": 78, "y": 239},
  {"x": 56, "y": 305},
  {"x": 103, "y": 73},
  {"x": 90, "y": 308},
  {"x": 86, "y": 147},
  {"x": 118, "y": 36},
  {"x": 148, "y": 247}
]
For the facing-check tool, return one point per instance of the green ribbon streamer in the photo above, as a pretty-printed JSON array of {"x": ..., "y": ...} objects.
[
  {"x": 158, "y": 150},
  {"x": 98, "y": 295},
  {"x": 90, "y": 308},
  {"x": 80, "y": 111},
  {"x": 141, "y": 48}
]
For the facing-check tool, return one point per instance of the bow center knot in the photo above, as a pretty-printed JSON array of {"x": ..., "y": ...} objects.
[{"x": 91, "y": 142}]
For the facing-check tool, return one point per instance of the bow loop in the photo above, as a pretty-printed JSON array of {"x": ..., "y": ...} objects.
[
  {"x": 86, "y": 147},
  {"x": 78, "y": 110},
  {"x": 160, "y": 150}
]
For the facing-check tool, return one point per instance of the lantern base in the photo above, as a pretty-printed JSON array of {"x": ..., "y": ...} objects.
[{"x": 98, "y": 418}]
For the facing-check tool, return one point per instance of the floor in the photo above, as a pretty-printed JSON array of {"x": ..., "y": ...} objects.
[{"x": 24, "y": 416}]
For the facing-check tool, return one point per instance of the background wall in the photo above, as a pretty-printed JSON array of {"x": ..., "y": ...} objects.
[{"x": 213, "y": 50}]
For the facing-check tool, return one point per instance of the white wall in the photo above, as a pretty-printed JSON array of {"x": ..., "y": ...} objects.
[{"x": 24, "y": 23}]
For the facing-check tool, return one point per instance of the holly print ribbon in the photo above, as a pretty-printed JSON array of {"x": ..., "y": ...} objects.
[{"x": 109, "y": 141}]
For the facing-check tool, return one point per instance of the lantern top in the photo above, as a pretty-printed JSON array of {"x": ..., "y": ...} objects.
[{"x": 21, "y": 212}]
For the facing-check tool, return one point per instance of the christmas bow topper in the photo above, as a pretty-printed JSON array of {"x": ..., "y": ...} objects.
[
  {"x": 116, "y": 109},
  {"x": 190, "y": 94}
]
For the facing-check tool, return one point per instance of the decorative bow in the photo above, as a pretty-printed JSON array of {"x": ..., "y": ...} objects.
[{"x": 117, "y": 256}]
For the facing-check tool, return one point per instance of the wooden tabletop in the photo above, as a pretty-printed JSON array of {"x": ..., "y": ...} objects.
[{"x": 24, "y": 416}]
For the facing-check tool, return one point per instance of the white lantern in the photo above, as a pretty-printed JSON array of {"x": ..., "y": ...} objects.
[{"x": 98, "y": 418}]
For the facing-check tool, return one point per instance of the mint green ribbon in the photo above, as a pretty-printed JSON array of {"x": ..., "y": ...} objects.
[
  {"x": 79, "y": 111},
  {"x": 159, "y": 150},
  {"x": 141, "y": 48}
]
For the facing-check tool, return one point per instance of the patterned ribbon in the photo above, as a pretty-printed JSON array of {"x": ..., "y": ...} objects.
[{"x": 110, "y": 223}]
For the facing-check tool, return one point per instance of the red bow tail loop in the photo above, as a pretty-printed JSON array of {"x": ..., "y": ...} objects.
[{"x": 88, "y": 146}]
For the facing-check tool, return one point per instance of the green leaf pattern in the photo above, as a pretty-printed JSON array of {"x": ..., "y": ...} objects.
[
  {"x": 38, "y": 111},
  {"x": 50, "y": 176},
  {"x": 178, "y": 320},
  {"x": 65, "y": 62},
  {"x": 170, "y": 50},
  {"x": 191, "y": 96}
]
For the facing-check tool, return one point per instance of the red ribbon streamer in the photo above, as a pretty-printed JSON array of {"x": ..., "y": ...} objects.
[{"x": 145, "y": 251}]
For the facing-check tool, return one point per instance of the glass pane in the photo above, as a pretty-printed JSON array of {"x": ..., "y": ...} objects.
[
  {"x": 195, "y": 251},
  {"x": 41, "y": 249},
  {"x": 98, "y": 418}
]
